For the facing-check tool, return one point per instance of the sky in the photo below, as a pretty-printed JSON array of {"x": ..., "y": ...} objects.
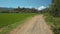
[{"x": 25, "y": 3}]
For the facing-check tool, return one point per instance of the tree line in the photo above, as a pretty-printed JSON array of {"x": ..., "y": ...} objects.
[{"x": 20, "y": 10}]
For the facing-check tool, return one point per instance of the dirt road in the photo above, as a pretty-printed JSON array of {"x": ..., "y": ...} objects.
[{"x": 36, "y": 25}]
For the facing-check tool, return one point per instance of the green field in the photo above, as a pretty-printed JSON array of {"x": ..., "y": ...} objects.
[
  {"x": 54, "y": 22},
  {"x": 8, "y": 21}
]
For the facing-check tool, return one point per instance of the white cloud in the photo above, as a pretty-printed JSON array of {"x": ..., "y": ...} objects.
[{"x": 41, "y": 7}]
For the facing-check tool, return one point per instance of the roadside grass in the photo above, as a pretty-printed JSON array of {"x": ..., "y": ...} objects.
[
  {"x": 54, "y": 22},
  {"x": 9, "y": 21}
]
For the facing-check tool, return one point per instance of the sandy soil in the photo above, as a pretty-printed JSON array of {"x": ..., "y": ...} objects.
[{"x": 36, "y": 25}]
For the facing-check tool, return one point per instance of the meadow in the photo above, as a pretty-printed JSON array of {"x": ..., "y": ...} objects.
[{"x": 8, "y": 21}]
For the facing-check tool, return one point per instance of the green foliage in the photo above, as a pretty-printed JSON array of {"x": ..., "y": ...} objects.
[
  {"x": 18, "y": 10},
  {"x": 46, "y": 10},
  {"x": 55, "y": 8},
  {"x": 7, "y": 19},
  {"x": 54, "y": 23},
  {"x": 25, "y": 10}
]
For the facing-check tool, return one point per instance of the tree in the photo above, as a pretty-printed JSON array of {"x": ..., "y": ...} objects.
[{"x": 55, "y": 8}]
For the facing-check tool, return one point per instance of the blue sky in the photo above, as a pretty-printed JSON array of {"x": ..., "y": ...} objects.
[{"x": 24, "y": 3}]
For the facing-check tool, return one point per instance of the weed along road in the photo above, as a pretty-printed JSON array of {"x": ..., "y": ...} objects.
[{"x": 36, "y": 25}]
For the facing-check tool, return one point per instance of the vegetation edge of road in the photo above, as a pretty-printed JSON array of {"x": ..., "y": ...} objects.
[{"x": 53, "y": 22}]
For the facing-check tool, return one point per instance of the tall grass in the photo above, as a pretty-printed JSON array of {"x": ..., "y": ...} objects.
[{"x": 54, "y": 22}]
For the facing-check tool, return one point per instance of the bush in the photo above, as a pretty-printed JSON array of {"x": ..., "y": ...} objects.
[{"x": 53, "y": 22}]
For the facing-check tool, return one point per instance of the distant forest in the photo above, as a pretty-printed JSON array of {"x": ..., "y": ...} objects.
[{"x": 18, "y": 10}]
